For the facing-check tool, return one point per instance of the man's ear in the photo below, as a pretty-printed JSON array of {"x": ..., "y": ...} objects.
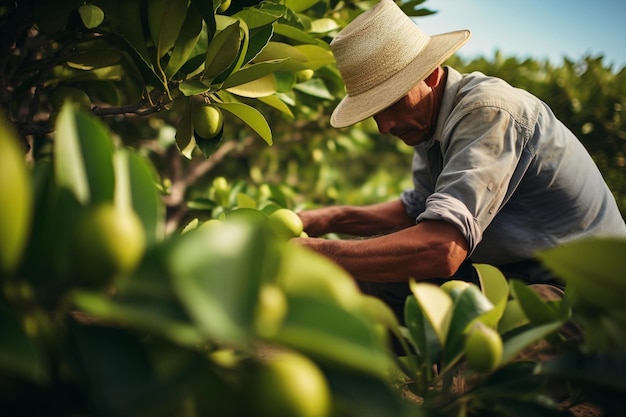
[{"x": 434, "y": 77}]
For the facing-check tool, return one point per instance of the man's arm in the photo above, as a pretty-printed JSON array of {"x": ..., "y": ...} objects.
[
  {"x": 371, "y": 220},
  {"x": 429, "y": 249}
]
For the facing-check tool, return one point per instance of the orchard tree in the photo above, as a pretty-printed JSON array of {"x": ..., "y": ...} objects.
[{"x": 134, "y": 284}]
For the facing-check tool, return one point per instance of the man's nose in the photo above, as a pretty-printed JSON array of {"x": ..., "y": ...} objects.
[{"x": 385, "y": 124}]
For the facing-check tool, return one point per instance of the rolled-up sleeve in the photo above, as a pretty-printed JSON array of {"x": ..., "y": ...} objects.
[{"x": 480, "y": 154}]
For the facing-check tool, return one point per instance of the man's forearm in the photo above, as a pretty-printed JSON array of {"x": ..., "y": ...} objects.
[
  {"x": 375, "y": 219},
  {"x": 431, "y": 249}
]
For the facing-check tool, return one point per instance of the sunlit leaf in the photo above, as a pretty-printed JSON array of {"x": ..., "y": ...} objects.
[
  {"x": 252, "y": 72},
  {"x": 471, "y": 305},
  {"x": 525, "y": 337},
  {"x": 436, "y": 305},
  {"x": 293, "y": 33},
  {"x": 314, "y": 87},
  {"x": 91, "y": 15},
  {"x": 324, "y": 25},
  {"x": 279, "y": 51},
  {"x": 255, "y": 18},
  {"x": 421, "y": 333},
  {"x": 83, "y": 151},
  {"x": 332, "y": 334},
  {"x": 512, "y": 317},
  {"x": 250, "y": 116},
  {"x": 316, "y": 56},
  {"x": 496, "y": 288},
  {"x": 300, "y": 5},
  {"x": 218, "y": 276},
  {"x": 536, "y": 310},
  {"x": 277, "y": 103}
]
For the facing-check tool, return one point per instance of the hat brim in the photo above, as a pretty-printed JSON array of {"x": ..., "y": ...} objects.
[{"x": 355, "y": 108}]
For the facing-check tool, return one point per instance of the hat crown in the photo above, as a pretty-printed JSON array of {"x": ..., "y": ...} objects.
[{"x": 376, "y": 45}]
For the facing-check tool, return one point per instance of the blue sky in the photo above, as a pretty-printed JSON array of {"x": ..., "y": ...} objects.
[{"x": 539, "y": 29}]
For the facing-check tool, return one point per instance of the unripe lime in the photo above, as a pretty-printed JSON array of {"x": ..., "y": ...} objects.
[
  {"x": 207, "y": 121},
  {"x": 454, "y": 287},
  {"x": 76, "y": 96},
  {"x": 290, "y": 385},
  {"x": 286, "y": 223},
  {"x": 271, "y": 310},
  {"x": 224, "y": 6},
  {"x": 304, "y": 75},
  {"x": 247, "y": 215},
  {"x": 483, "y": 348},
  {"x": 110, "y": 241}
]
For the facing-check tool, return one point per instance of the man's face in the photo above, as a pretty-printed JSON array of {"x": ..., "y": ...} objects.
[{"x": 412, "y": 118}]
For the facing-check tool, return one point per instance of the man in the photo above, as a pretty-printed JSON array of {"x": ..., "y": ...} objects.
[{"x": 496, "y": 176}]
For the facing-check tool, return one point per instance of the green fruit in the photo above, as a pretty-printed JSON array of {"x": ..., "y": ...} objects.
[
  {"x": 247, "y": 215},
  {"x": 483, "y": 348},
  {"x": 15, "y": 199},
  {"x": 290, "y": 385},
  {"x": 110, "y": 241},
  {"x": 77, "y": 97},
  {"x": 286, "y": 223},
  {"x": 304, "y": 75},
  {"x": 271, "y": 310},
  {"x": 207, "y": 121},
  {"x": 224, "y": 6},
  {"x": 306, "y": 273}
]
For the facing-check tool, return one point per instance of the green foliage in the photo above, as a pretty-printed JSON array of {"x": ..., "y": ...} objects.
[{"x": 182, "y": 332}]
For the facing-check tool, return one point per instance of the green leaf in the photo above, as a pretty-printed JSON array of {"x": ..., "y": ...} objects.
[
  {"x": 223, "y": 50},
  {"x": 252, "y": 72},
  {"x": 193, "y": 87},
  {"x": 83, "y": 157},
  {"x": 258, "y": 39},
  {"x": 186, "y": 42},
  {"x": 146, "y": 314},
  {"x": 606, "y": 369},
  {"x": 299, "y": 6},
  {"x": 278, "y": 104},
  {"x": 512, "y": 317},
  {"x": 146, "y": 200},
  {"x": 436, "y": 305},
  {"x": 317, "y": 56},
  {"x": 165, "y": 19},
  {"x": 331, "y": 334},
  {"x": 324, "y": 25},
  {"x": 535, "y": 309},
  {"x": 421, "y": 332},
  {"x": 593, "y": 270},
  {"x": 274, "y": 51},
  {"x": 18, "y": 354},
  {"x": 218, "y": 275},
  {"x": 293, "y": 33},
  {"x": 261, "y": 87},
  {"x": 524, "y": 337},
  {"x": 314, "y": 87},
  {"x": 471, "y": 305},
  {"x": 496, "y": 288},
  {"x": 91, "y": 15},
  {"x": 255, "y": 18},
  {"x": 185, "y": 140},
  {"x": 251, "y": 117}
]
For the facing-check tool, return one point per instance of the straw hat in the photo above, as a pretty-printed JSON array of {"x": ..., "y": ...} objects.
[{"x": 381, "y": 55}]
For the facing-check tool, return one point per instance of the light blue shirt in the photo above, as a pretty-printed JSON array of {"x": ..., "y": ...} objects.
[{"x": 509, "y": 175}]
